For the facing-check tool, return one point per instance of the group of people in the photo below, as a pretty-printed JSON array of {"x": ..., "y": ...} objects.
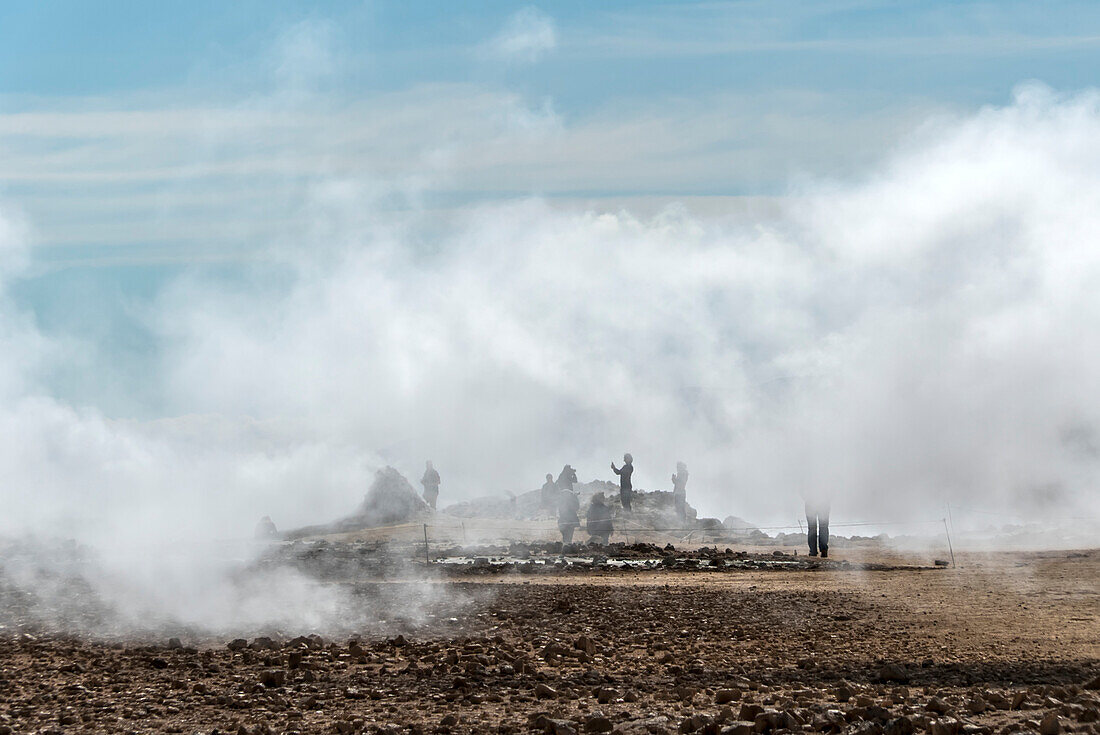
[{"x": 558, "y": 494}]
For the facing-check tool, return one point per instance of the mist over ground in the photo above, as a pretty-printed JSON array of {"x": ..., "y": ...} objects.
[{"x": 920, "y": 334}]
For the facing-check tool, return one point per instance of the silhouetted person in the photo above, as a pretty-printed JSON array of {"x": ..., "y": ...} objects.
[
  {"x": 598, "y": 520},
  {"x": 679, "y": 490},
  {"x": 430, "y": 481},
  {"x": 566, "y": 479},
  {"x": 817, "y": 525},
  {"x": 265, "y": 529},
  {"x": 548, "y": 495},
  {"x": 626, "y": 489},
  {"x": 569, "y": 507}
]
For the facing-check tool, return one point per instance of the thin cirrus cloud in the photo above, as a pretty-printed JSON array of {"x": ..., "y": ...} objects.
[{"x": 527, "y": 35}]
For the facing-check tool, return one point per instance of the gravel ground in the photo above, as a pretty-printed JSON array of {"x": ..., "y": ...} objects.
[{"x": 1005, "y": 643}]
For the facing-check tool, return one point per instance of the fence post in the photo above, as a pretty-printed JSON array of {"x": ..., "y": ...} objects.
[
  {"x": 949, "y": 546},
  {"x": 426, "y": 559}
]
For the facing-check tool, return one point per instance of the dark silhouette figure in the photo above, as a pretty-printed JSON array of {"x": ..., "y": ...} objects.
[
  {"x": 566, "y": 479},
  {"x": 679, "y": 490},
  {"x": 548, "y": 495},
  {"x": 265, "y": 529},
  {"x": 626, "y": 489},
  {"x": 569, "y": 507},
  {"x": 430, "y": 481},
  {"x": 817, "y": 526},
  {"x": 598, "y": 520}
]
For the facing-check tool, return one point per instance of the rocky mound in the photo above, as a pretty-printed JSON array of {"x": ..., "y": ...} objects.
[{"x": 390, "y": 499}]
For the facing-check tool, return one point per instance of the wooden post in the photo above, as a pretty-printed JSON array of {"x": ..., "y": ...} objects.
[
  {"x": 426, "y": 559},
  {"x": 949, "y": 546}
]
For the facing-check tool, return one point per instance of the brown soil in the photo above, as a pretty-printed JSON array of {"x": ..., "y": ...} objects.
[{"x": 1004, "y": 643}]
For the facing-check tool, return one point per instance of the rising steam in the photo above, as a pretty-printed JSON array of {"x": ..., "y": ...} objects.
[{"x": 925, "y": 334}]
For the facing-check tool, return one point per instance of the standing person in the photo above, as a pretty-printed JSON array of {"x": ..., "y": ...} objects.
[
  {"x": 598, "y": 520},
  {"x": 548, "y": 495},
  {"x": 566, "y": 479},
  {"x": 679, "y": 490},
  {"x": 569, "y": 507},
  {"x": 817, "y": 524},
  {"x": 430, "y": 481},
  {"x": 626, "y": 489}
]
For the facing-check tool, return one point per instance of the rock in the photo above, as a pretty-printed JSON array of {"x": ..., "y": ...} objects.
[
  {"x": 175, "y": 643},
  {"x": 725, "y": 696},
  {"x": 158, "y": 663},
  {"x": 767, "y": 721},
  {"x": 273, "y": 678},
  {"x": 876, "y": 713},
  {"x": 900, "y": 726},
  {"x": 750, "y": 712},
  {"x": 937, "y": 705},
  {"x": 237, "y": 644},
  {"x": 945, "y": 726},
  {"x": 263, "y": 643},
  {"x": 893, "y": 673},
  {"x": 586, "y": 644},
  {"x": 1050, "y": 724},
  {"x": 598, "y": 723},
  {"x": 605, "y": 695},
  {"x": 738, "y": 728},
  {"x": 449, "y": 720},
  {"x": 554, "y": 651},
  {"x": 1018, "y": 700},
  {"x": 1094, "y": 683},
  {"x": 543, "y": 691},
  {"x": 555, "y": 726}
]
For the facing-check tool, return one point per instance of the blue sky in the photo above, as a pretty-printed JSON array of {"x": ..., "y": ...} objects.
[{"x": 139, "y": 141}]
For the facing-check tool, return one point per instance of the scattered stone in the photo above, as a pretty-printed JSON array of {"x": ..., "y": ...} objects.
[
  {"x": 598, "y": 723},
  {"x": 273, "y": 678},
  {"x": 543, "y": 691},
  {"x": 893, "y": 673},
  {"x": 586, "y": 644},
  {"x": 1050, "y": 724},
  {"x": 725, "y": 696},
  {"x": 263, "y": 643},
  {"x": 750, "y": 712}
]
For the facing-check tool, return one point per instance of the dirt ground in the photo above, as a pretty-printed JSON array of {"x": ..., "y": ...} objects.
[{"x": 1004, "y": 643}]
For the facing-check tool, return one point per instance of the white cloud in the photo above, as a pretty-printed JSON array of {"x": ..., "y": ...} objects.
[{"x": 527, "y": 36}]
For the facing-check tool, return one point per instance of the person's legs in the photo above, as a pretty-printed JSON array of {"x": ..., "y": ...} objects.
[
  {"x": 823, "y": 531},
  {"x": 811, "y": 529},
  {"x": 566, "y": 534},
  {"x": 624, "y": 498}
]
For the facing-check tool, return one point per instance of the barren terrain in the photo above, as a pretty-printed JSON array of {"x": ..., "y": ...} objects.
[{"x": 1003, "y": 643}]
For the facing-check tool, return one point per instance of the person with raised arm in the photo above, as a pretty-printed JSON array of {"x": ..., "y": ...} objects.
[{"x": 626, "y": 489}]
